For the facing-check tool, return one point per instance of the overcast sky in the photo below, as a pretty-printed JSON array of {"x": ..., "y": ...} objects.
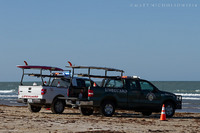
[{"x": 147, "y": 38}]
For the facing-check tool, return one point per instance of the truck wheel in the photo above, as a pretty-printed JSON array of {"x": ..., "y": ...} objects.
[
  {"x": 86, "y": 111},
  {"x": 169, "y": 109},
  {"x": 146, "y": 113},
  {"x": 107, "y": 108},
  {"x": 33, "y": 108},
  {"x": 57, "y": 106}
]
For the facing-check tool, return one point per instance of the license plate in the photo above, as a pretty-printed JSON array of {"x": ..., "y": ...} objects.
[{"x": 30, "y": 100}]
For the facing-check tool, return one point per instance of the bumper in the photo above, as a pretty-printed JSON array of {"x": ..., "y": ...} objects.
[
  {"x": 33, "y": 101},
  {"x": 77, "y": 102},
  {"x": 179, "y": 102},
  {"x": 85, "y": 103}
]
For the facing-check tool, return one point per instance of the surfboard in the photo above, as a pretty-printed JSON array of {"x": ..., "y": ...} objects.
[{"x": 40, "y": 67}]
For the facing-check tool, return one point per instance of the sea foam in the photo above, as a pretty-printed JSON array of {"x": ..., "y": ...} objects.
[{"x": 6, "y": 91}]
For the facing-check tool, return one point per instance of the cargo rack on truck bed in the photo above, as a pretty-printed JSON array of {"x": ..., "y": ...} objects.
[
  {"x": 95, "y": 76},
  {"x": 41, "y": 69}
]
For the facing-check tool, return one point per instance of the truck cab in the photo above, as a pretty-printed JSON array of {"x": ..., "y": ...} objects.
[{"x": 141, "y": 95}]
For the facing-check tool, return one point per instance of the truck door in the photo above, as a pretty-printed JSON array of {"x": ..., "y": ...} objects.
[
  {"x": 133, "y": 94},
  {"x": 150, "y": 96},
  {"x": 116, "y": 89}
]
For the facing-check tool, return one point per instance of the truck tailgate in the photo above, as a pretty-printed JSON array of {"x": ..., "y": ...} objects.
[{"x": 30, "y": 92}]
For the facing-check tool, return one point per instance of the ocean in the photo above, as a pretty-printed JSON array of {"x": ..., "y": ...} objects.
[{"x": 190, "y": 91}]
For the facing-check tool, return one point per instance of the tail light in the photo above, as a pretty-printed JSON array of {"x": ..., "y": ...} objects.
[
  {"x": 90, "y": 93},
  {"x": 43, "y": 91}
]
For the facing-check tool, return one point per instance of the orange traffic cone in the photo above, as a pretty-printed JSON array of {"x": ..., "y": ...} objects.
[{"x": 163, "y": 115}]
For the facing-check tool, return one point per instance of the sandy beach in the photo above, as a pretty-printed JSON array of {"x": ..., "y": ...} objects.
[{"x": 19, "y": 119}]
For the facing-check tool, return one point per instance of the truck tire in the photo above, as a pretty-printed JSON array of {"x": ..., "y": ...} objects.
[
  {"x": 169, "y": 109},
  {"x": 34, "y": 109},
  {"x": 107, "y": 108},
  {"x": 86, "y": 111},
  {"x": 58, "y": 106},
  {"x": 146, "y": 113}
]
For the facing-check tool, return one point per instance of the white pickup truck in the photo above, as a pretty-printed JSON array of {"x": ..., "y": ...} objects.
[{"x": 48, "y": 95}]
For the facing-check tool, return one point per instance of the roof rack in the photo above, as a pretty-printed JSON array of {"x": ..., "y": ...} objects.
[
  {"x": 93, "y": 67},
  {"x": 95, "y": 76},
  {"x": 98, "y": 76},
  {"x": 37, "y": 67},
  {"x": 41, "y": 75}
]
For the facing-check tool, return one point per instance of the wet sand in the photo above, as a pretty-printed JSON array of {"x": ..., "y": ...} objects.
[{"x": 19, "y": 119}]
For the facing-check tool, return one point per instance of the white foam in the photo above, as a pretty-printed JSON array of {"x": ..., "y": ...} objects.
[
  {"x": 8, "y": 99},
  {"x": 185, "y": 103},
  {"x": 191, "y": 98},
  {"x": 188, "y": 94},
  {"x": 8, "y": 95},
  {"x": 197, "y": 90},
  {"x": 6, "y": 91}
]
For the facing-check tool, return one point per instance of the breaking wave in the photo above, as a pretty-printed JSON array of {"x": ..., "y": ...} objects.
[{"x": 7, "y": 91}]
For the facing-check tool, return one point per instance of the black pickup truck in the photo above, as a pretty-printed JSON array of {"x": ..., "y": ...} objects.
[{"x": 121, "y": 92}]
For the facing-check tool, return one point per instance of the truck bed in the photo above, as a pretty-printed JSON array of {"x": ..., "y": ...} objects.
[
  {"x": 46, "y": 94},
  {"x": 78, "y": 92},
  {"x": 30, "y": 92}
]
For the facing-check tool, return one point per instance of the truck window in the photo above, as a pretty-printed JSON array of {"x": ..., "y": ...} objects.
[
  {"x": 132, "y": 85},
  {"x": 83, "y": 83},
  {"x": 87, "y": 83},
  {"x": 146, "y": 86},
  {"x": 63, "y": 83},
  {"x": 114, "y": 83}
]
